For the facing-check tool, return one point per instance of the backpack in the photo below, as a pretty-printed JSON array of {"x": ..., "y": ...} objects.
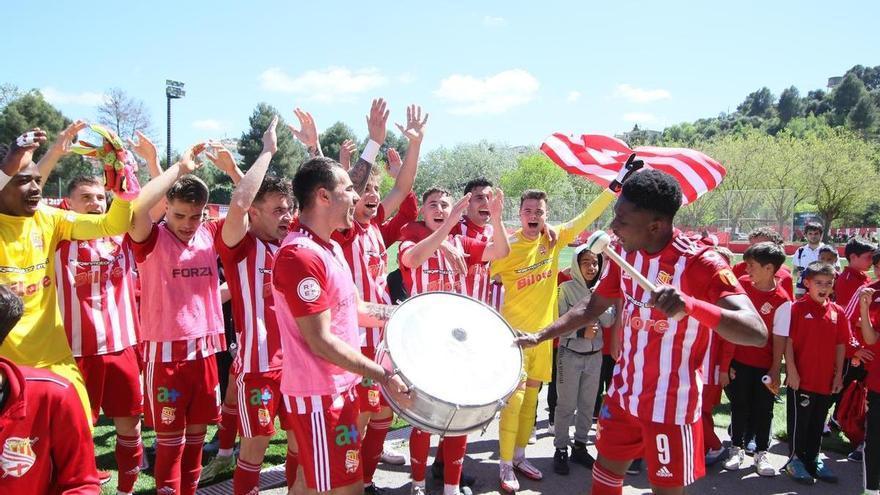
[{"x": 851, "y": 412}]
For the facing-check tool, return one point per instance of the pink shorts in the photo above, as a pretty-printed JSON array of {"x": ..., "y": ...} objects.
[
  {"x": 181, "y": 393},
  {"x": 113, "y": 382}
]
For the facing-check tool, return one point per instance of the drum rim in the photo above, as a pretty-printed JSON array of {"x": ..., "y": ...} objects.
[{"x": 382, "y": 345}]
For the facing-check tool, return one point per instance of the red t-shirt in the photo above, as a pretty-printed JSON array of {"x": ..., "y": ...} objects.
[
  {"x": 774, "y": 306},
  {"x": 782, "y": 276},
  {"x": 873, "y": 379},
  {"x": 847, "y": 286},
  {"x": 659, "y": 375},
  {"x": 436, "y": 273},
  {"x": 816, "y": 330}
]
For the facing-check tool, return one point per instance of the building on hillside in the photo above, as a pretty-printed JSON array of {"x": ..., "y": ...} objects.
[
  {"x": 639, "y": 136},
  {"x": 834, "y": 82}
]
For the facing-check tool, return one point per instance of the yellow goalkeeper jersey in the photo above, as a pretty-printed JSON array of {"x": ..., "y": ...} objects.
[
  {"x": 529, "y": 271},
  {"x": 27, "y": 265}
]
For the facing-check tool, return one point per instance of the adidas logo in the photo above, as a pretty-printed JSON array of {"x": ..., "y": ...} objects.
[
  {"x": 663, "y": 472},
  {"x": 809, "y": 316}
]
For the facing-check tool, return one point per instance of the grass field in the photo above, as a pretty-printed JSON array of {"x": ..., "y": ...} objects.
[{"x": 105, "y": 439}]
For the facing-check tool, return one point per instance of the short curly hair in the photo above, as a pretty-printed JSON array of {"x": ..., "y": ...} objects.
[
  {"x": 654, "y": 191},
  {"x": 767, "y": 232}
]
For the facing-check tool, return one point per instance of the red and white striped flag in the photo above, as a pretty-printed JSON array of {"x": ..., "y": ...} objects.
[{"x": 599, "y": 158}]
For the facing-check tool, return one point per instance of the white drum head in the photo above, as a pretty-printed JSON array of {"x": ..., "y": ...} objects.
[{"x": 454, "y": 348}]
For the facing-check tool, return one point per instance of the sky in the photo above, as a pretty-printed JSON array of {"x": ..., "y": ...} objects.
[{"x": 505, "y": 71}]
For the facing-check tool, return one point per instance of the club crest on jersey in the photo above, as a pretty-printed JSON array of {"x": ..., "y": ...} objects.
[
  {"x": 263, "y": 416},
  {"x": 728, "y": 277},
  {"x": 766, "y": 308},
  {"x": 168, "y": 415},
  {"x": 352, "y": 460},
  {"x": 373, "y": 397},
  {"x": 18, "y": 456},
  {"x": 542, "y": 249},
  {"x": 664, "y": 278},
  {"x": 37, "y": 240},
  {"x": 833, "y": 316},
  {"x": 308, "y": 289}
]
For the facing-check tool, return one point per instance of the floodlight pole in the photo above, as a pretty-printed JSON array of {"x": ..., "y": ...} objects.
[{"x": 173, "y": 90}]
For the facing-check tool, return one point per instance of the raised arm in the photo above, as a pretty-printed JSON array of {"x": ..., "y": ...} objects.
[
  {"x": 425, "y": 248},
  {"x": 236, "y": 225},
  {"x": 499, "y": 246},
  {"x": 59, "y": 148},
  {"x": 376, "y": 122},
  {"x": 308, "y": 132},
  {"x": 155, "y": 191},
  {"x": 403, "y": 181}
]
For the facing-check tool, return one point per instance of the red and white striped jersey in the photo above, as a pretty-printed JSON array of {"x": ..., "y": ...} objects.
[
  {"x": 659, "y": 375},
  {"x": 478, "y": 280},
  {"x": 436, "y": 273},
  {"x": 183, "y": 350},
  {"x": 96, "y": 295},
  {"x": 248, "y": 270}
]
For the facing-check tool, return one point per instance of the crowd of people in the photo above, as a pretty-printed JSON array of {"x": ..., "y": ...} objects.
[{"x": 118, "y": 310}]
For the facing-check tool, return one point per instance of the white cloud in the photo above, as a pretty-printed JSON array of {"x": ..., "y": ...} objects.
[
  {"x": 209, "y": 125},
  {"x": 86, "y": 98},
  {"x": 642, "y": 117},
  {"x": 325, "y": 85},
  {"x": 492, "y": 21},
  {"x": 489, "y": 95},
  {"x": 406, "y": 78},
  {"x": 573, "y": 96},
  {"x": 640, "y": 95}
]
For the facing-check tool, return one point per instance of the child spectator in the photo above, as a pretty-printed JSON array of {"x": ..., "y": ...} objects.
[
  {"x": 828, "y": 254},
  {"x": 869, "y": 310},
  {"x": 783, "y": 275},
  {"x": 814, "y": 373},
  {"x": 751, "y": 400},
  {"x": 807, "y": 254}
]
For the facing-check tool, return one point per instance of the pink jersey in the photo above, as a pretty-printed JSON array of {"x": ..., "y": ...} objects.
[
  {"x": 436, "y": 273},
  {"x": 181, "y": 317},
  {"x": 96, "y": 295},
  {"x": 310, "y": 277},
  {"x": 248, "y": 269},
  {"x": 478, "y": 280},
  {"x": 659, "y": 375}
]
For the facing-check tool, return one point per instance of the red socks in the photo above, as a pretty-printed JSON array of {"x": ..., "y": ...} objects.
[
  {"x": 290, "y": 467},
  {"x": 191, "y": 465},
  {"x": 247, "y": 478},
  {"x": 419, "y": 443},
  {"x": 605, "y": 482},
  {"x": 169, "y": 451},
  {"x": 454, "y": 449},
  {"x": 371, "y": 448},
  {"x": 128, "y": 461},
  {"x": 228, "y": 427}
]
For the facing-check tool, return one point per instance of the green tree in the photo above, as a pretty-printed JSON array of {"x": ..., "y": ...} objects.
[
  {"x": 535, "y": 171},
  {"x": 790, "y": 105},
  {"x": 817, "y": 103},
  {"x": 290, "y": 155},
  {"x": 333, "y": 137},
  {"x": 846, "y": 96},
  {"x": 452, "y": 168},
  {"x": 863, "y": 116},
  {"x": 758, "y": 103}
]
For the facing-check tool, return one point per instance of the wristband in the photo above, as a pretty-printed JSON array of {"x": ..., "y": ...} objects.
[
  {"x": 4, "y": 179},
  {"x": 706, "y": 313},
  {"x": 371, "y": 151}
]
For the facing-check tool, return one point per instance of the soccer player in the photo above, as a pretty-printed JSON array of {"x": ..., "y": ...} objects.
[
  {"x": 806, "y": 254},
  {"x": 425, "y": 268},
  {"x": 529, "y": 276},
  {"x": 46, "y": 443},
  {"x": 364, "y": 248},
  {"x": 813, "y": 372},
  {"x": 653, "y": 406},
  {"x": 30, "y": 232},
  {"x": 869, "y": 310},
  {"x": 181, "y": 321},
  {"x": 318, "y": 312},
  {"x": 751, "y": 400}
]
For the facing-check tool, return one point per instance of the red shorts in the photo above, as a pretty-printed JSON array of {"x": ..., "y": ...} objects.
[
  {"x": 259, "y": 403},
  {"x": 113, "y": 382},
  {"x": 181, "y": 393},
  {"x": 370, "y": 398},
  {"x": 327, "y": 437},
  {"x": 673, "y": 453}
]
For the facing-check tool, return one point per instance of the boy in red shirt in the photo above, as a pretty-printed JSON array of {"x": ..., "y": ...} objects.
[
  {"x": 45, "y": 439},
  {"x": 869, "y": 310},
  {"x": 813, "y": 372},
  {"x": 751, "y": 400}
]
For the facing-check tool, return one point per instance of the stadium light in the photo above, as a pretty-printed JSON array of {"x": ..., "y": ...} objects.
[{"x": 173, "y": 90}]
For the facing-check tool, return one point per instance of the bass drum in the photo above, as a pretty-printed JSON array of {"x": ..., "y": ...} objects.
[{"x": 458, "y": 358}]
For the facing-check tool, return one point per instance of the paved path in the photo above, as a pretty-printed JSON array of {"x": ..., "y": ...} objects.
[{"x": 482, "y": 461}]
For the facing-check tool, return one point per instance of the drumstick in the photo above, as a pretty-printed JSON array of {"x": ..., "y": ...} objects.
[{"x": 599, "y": 243}]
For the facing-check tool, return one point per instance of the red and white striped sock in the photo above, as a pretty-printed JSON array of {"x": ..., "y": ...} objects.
[
  {"x": 128, "y": 461},
  {"x": 419, "y": 443},
  {"x": 371, "y": 448},
  {"x": 247, "y": 478},
  {"x": 605, "y": 482},
  {"x": 191, "y": 465},
  {"x": 169, "y": 453}
]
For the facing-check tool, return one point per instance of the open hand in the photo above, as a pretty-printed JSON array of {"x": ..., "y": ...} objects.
[
  {"x": 189, "y": 160},
  {"x": 415, "y": 124},
  {"x": 220, "y": 157},
  {"x": 21, "y": 151},
  {"x": 496, "y": 204},
  {"x": 454, "y": 257},
  {"x": 394, "y": 163},
  {"x": 144, "y": 148},
  {"x": 270, "y": 137},
  {"x": 346, "y": 151},
  {"x": 377, "y": 121},
  {"x": 62, "y": 144},
  {"x": 308, "y": 134}
]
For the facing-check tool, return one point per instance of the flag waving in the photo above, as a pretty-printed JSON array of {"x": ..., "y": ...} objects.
[{"x": 599, "y": 158}]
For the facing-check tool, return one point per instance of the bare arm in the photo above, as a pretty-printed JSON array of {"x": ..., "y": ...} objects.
[
  {"x": 376, "y": 121},
  {"x": 374, "y": 315},
  {"x": 236, "y": 225},
  {"x": 425, "y": 248},
  {"x": 59, "y": 148},
  {"x": 499, "y": 246},
  {"x": 403, "y": 183},
  {"x": 315, "y": 330},
  {"x": 583, "y": 314}
]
